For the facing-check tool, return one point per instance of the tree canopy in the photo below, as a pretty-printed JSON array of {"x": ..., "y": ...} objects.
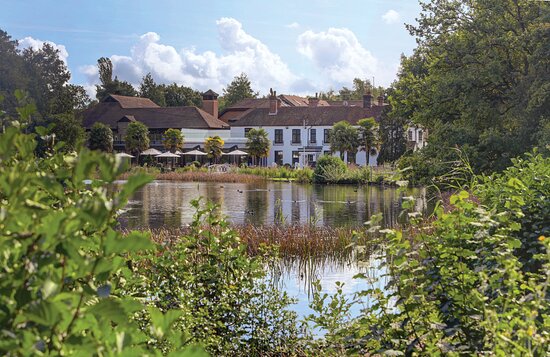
[
  {"x": 257, "y": 143},
  {"x": 173, "y": 140},
  {"x": 213, "y": 146},
  {"x": 137, "y": 138},
  {"x": 240, "y": 88},
  {"x": 344, "y": 138},
  {"x": 108, "y": 84},
  {"x": 100, "y": 138},
  {"x": 368, "y": 136}
]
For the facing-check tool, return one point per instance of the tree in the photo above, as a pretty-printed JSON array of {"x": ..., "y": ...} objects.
[
  {"x": 137, "y": 138},
  {"x": 213, "y": 146},
  {"x": 258, "y": 144},
  {"x": 392, "y": 136},
  {"x": 344, "y": 138},
  {"x": 179, "y": 96},
  {"x": 368, "y": 136},
  {"x": 239, "y": 89},
  {"x": 173, "y": 140},
  {"x": 480, "y": 66},
  {"x": 100, "y": 138},
  {"x": 149, "y": 89},
  {"x": 68, "y": 129},
  {"x": 108, "y": 84}
]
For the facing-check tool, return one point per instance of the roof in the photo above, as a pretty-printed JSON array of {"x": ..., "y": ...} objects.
[
  {"x": 350, "y": 103},
  {"x": 317, "y": 116},
  {"x": 130, "y": 102},
  {"x": 297, "y": 101},
  {"x": 109, "y": 113},
  {"x": 211, "y": 93}
]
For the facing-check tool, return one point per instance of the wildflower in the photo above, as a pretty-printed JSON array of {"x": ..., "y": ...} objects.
[{"x": 542, "y": 238}]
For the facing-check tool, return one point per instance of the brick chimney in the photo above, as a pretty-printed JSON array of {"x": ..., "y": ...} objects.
[
  {"x": 367, "y": 100},
  {"x": 210, "y": 103},
  {"x": 273, "y": 102},
  {"x": 313, "y": 102},
  {"x": 380, "y": 100}
]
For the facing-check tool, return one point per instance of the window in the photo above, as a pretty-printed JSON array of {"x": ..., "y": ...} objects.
[
  {"x": 410, "y": 135},
  {"x": 327, "y": 152},
  {"x": 326, "y": 136},
  {"x": 295, "y": 157},
  {"x": 279, "y": 158},
  {"x": 246, "y": 130},
  {"x": 420, "y": 136},
  {"x": 313, "y": 136},
  {"x": 352, "y": 157},
  {"x": 278, "y": 136},
  {"x": 296, "y": 136}
]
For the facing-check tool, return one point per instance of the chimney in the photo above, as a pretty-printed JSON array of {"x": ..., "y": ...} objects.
[
  {"x": 367, "y": 100},
  {"x": 313, "y": 102},
  {"x": 210, "y": 103},
  {"x": 273, "y": 102},
  {"x": 380, "y": 100}
]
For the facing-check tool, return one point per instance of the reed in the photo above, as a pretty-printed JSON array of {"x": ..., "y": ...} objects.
[
  {"x": 199, "y": 176},
  {"x": 292, "y": 241}
]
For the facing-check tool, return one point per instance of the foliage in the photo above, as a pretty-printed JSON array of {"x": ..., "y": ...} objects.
[
  {"x": 240, "y": 88},
  {"x": 344, "y": 138},
  {"x": 100, "y": 138},
  {"x": 179, "y": 96},
  {"x": 137, "y": 138},
  {"x": 213, "y": 146},
  {"x": 149, "y": 89},
  {"x": 63, "y": 264},
  {"x": 257, "y": 143},
  {"x": 328, "y": 167},
  {"x": 173, "y": 140},
  {"x": 68, "y": 129},
  {"x": 108, "y": 84},
  {"x": 393, "y": 142},
  {"x": 207, "y": 276},
  {"x": 368, "y": 136},
  {"x": 42, "y": 74},
  {"x": 480, "y": 66}
]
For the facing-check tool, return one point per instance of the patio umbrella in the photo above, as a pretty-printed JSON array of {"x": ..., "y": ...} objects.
[
  {"x": 123, "y": 154},
  {"x": 151, "y": 152},
  {"x": 195, "y": 152},
  {"x": 168, "y": 154},
  {"x": 235, "y": 153},
  {"x": 177, "y": 152}
]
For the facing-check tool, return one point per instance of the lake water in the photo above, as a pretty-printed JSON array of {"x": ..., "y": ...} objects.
[{"x": 167, "y": 204}]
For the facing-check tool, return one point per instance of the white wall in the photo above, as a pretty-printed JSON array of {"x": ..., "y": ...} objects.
[{"x": 417, "y": 136}]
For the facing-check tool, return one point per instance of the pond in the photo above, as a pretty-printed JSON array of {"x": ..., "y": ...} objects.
[{"x": 167, "y": 204}]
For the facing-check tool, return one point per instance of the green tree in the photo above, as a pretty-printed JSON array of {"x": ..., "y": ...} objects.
[
  {"x": 213, "y": 146},
  {"x": 149, "y": 89},
  {"x": 100, "y": 138},
  {"x": 137, "y": 138},
  {"x": 393, "y": 141},
  {"x": 108, "y": 84},
  {"x": 258, "y": 144},
  {"x": 240, "y": 88},
  {"x": 368, "y": 136},
  {"x": 344, "y": 138},
  {"x": 173, "y": 140},
  {"x": 68, "y": 129},
  {"x": 179, "y": 96}
]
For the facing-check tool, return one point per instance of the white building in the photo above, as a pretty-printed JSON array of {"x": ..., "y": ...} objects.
[{"x": 300, "y": 135}]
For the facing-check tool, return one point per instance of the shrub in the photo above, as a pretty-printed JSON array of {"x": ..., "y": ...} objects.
[{"x": 329, "y": 169}]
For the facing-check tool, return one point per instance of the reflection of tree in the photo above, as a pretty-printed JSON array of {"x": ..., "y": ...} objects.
[{"x": 257, "y": 200}]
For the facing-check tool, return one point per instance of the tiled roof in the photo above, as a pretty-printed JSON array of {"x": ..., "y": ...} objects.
[
  {"x": 295, "y": 116},
  {"x": 109, "y": 113},
  {"x": 130, "y": 102}
]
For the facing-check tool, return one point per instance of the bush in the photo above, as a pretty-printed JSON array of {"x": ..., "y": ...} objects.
[{"x": 329, "y": 169}]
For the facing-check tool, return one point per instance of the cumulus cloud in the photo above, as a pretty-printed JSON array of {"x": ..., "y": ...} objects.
[
  {"x": 391, "y": 17},
  {"x": 35, "y": 44},
  {"x": 293, "y": 25},
  {"x": 338, "y": 55},
  {"x": 203, "y": 70}
]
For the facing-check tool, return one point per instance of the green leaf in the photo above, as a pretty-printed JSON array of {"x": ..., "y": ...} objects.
[{"x": 134, "y": 242}]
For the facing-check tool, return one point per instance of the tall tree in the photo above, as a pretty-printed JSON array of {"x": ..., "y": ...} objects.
[
  {"x": 108, "y": 84},
  {"x": 368, "y": 136},
  {"x": 240, "y": 88},
  {"x": 68, "y": 129},
  {"x": 137, "y": 138},
  {"x": 344, "y": 138},
  {"x": 100, "y": 138},
  {"x": 257, "y": 143},
  {"x": 213, "y": 146},
  {"x": 149, "y": 89},
  {"x": 179, "y": 96},
  {"x": 392, "y": 135},
  {"x": 173, "y": 140}
]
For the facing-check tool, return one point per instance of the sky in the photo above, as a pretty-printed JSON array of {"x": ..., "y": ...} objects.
[{"x": 292, "y": 46}]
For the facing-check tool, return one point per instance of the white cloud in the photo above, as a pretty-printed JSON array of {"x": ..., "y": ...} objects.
[
  {"x": 338, "y": 55},
  {"x": 35, "y": 44},
  {"x": 391, "y": 17},
  {"x": 203, "y": 70},
  {"x": 293, "y": 25}
]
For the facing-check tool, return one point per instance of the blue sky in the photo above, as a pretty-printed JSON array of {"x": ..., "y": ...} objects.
[{"x": 293, "y": 46}]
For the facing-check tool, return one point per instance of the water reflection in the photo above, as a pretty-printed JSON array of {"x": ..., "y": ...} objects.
[{"x": 167, "y": 203}]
